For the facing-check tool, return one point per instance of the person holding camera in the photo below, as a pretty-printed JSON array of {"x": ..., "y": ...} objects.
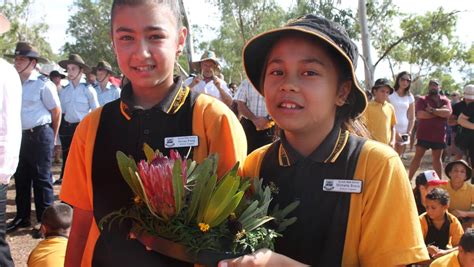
[
  {"x": 209, "y": 79},
  {"x": 404, "y": 103}
]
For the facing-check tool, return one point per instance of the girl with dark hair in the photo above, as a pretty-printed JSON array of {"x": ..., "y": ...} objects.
[
  {"x": 147, "y": 37},
  {"x": 404, "y": 103}
]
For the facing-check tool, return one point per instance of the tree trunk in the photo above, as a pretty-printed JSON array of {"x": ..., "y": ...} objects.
[
  {"x": 188, "y": 48},
  {"x": 369, "y": 66}
]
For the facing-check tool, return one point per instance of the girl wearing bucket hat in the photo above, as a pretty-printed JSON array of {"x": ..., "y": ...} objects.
[
  {"x": 346, "y": 184},
  {"x": 460, "y": 190},
  {"x": 77, "y": 100}
]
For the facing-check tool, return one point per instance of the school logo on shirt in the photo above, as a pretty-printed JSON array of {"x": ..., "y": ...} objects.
[{"x": 343, "y": 186}]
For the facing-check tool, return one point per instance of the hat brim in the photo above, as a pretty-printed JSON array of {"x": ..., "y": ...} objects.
[
  {"x": 437, "y": 182},
  {"x": 39, "y": 59},
  {"x": 196, "y": 65},
  {"x": 450, "y": 165},
  {"x": 110, "y": 71},
  {"x": 4, "y": 24},
  {"x": 375, "y": 87},
  {"x": 256, "y": 50},
  {"x": 64, "y": 63}
]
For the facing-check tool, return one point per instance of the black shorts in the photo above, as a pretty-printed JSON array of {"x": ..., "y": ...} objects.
[{"x": 431, "y": 145}]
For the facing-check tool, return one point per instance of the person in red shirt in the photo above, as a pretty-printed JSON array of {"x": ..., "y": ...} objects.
[{"x": 432, "y": 112}]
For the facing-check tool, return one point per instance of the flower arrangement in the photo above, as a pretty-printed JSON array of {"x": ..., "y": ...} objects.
[{"x": 180, "y": 202}]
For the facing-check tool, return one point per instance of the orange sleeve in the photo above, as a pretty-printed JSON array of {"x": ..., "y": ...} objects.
[
  {"x": 394, "y": 118},
  {"x": 219, "y": 132},
  {"x": 76, "y": 188},
  {"x": 253, "y": 162},
  {"x": 424, "y": 225},
  {"x": 455, "y": 230}
]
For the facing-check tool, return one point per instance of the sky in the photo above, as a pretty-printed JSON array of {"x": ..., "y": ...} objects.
[{"x": 56, "y": 12}]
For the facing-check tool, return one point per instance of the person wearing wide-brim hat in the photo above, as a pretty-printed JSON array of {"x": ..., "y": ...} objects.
[
  {"x": 26, "y": 55},
  {"x": 10, "y": 137},
  {"x": 460, "y": 189},
  {"x": 40, "y": 121},
  {"x": 380, "y": 114},
  {"x": 208, "y": 80},
  {"x": 77, "y": 99},
  {"x": 343, "y": 181},
  {"x": 106, "y": 91}
]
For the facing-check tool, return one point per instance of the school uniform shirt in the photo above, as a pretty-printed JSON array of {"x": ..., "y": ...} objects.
[
  {"x": 455, "y": 229},
  {"x": 92, "y": 181},
  {"x": 380, "y": 119},
  {"x": 109, "y": 94},
  {"x": 449, "y": 260},
  {"x": 10, "y": 120},
  {"x": 366, "y": 228},
  {"x": 461, "y": 199},
  {"x": 208, "y": 88},
  {"x": 38, "y": 98},
  {"x": 49, "y": 252},
  {"x": 77, "y": 102}
]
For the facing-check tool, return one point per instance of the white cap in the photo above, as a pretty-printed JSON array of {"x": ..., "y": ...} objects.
[{"x": 469, "y": 92}]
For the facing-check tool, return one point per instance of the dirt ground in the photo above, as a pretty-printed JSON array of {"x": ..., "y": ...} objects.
[{"x": 21, "y": 242}]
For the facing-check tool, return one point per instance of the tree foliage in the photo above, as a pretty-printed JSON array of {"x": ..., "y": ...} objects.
[
  {"x": 240, "y": 20},
  {"x": 90, "y": 27},
  {"x": 21, "y": 30}
]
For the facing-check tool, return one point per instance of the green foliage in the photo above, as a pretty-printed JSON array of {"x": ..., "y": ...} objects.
[
  {"x": 241, "y": 20},
  {"x": 90, "y": 27},
  {"x": 429, "y": 42},
  {"x": 211, "y": 213},
  {"x": 328, "y": 9},
  {"x": 21, "y": 31}
]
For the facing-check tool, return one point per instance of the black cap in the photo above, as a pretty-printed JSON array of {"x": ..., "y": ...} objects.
[{"x": 381, "y": 83}]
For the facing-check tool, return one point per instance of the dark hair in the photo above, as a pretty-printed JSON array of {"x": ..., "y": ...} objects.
[
  {"x": 344, "y": 73},
  {"x": 172, "y": 4},
  {"x": 439, "y": 194},
  {"x": 467, "y": 241},
  {"x": 420, "y": 180},
  {"x": 58, "y": 219},
  {"x": 397, "y": 82}
]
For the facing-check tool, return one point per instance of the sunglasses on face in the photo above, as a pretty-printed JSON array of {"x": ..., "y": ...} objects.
[{"x": 405, "y": 79}]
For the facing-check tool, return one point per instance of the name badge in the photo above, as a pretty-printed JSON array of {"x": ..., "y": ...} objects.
[
  {"x": 181, "y": 141},
  {"x": 343, "y": 186}
]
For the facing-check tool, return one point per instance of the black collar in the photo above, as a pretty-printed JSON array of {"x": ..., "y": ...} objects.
[
  {"x": 172, "y": 102},
  {"x": 328, "y": 151}
]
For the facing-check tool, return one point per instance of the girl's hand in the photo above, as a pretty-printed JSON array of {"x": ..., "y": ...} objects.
[{"x": 261, "y": 257}]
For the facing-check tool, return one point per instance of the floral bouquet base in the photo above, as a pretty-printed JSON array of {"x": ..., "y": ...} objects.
[
  {"x": 180, "y": 252},
  {"x": 183, "y": 210}
]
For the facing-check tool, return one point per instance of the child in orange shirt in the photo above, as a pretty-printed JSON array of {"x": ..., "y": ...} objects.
[{"x": 441, "y": 230}]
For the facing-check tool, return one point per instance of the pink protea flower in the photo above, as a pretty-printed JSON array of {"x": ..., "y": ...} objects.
[{"x": 157, "y": 179}]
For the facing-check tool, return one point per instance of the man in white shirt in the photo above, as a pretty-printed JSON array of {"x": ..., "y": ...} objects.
[
  {"x": 40, "y": 120},
  {"x": 10, "y": 138},
  {"x": 208, "y": 80},
  {"x": 257, "y": 124}
]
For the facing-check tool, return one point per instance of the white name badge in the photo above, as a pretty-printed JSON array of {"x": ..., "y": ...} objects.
[
  {"x": 181, "y": 141},
  {"x": 344, "y": 186}
]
